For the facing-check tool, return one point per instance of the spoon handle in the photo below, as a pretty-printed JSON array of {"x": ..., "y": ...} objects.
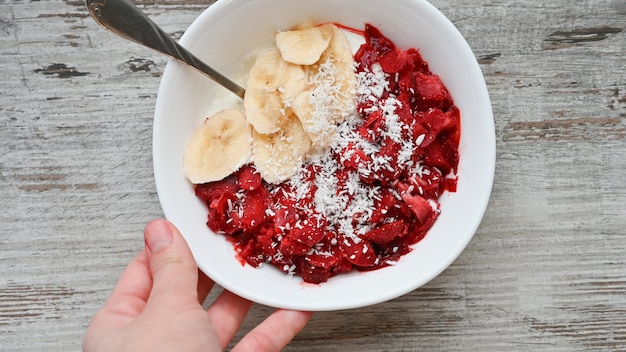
[{"x": 126, "y": 20}]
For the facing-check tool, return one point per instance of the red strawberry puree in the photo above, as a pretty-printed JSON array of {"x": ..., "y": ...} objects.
[{"x": 373, "y": 195}]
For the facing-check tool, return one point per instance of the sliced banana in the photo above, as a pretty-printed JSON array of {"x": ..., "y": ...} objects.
[
  {"x": 271, "y": 82},
  {"x": 319, "y": 128},
  {"x": 280, "y": 155},
  {"x": 304, "y": 46},
  {"x": 264, "y": 110},
  {"x": 263, "y": 72},
  {"x": 296, "y": 95},
  {"x": 339, "y": 54},
  {"x": 331, "y": 92},
  {"x": 293, "y": 79},
  {"x": 220, "y": 146}
]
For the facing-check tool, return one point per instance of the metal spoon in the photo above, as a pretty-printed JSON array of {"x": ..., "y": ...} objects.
[{"x": 126, "y": 20}]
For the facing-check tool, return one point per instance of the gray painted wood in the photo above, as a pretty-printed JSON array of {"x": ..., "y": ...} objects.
[{"x": 546, "y": 270}]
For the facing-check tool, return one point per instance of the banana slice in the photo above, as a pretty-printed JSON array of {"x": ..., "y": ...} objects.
[
  {"x": 339, "y": 54},
  {"x": 318, "y": 126},
  {"x": 279, "y": 156},
  {"x": 304, "y": 46},
  {"x": 296, "y": 95},
  {"x": 271, "y": 82},
  {"x": 331, "y": 94},
  {"x": 220, "y": 146},
  {"x": 264, "y": 110},
  {"x": 293, "y": 80},
  {"x": 263, "y": 74}
]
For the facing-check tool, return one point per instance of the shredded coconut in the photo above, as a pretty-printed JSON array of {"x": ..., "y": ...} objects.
[{"x": 347, "y": 205}]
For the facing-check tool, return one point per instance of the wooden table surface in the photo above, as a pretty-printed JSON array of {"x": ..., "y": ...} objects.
[{"x": 546, "y": 270}]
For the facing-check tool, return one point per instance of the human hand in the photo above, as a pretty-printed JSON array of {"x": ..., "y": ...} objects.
[{"x": 157, "y": 306}]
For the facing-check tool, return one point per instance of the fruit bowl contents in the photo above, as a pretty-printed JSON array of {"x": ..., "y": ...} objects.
[
  {"x": 336, "y": 162},
  {"x": 228, "y": 36}
]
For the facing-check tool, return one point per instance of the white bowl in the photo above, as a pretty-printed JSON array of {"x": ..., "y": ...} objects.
[{"x": 225, "y": 33}]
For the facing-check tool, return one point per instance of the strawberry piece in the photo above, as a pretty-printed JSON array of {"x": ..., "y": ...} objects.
[
  {"x": 249, "y": 178},
  {"x": 419, "y": 230},
  {"x": 442, "y": 140},
  {"x": 291, "y": 247},
  {"x": 365, "y": 57},
  {"x": 428, "y": 184},
  {"x": 452, "y": 126},
  {"x": 216, "y": 194},
  {"x": 284, "y": 212},
  {"x": 419, "y": 65},
  {"x": 325, "y": 256},
  {"x": 405, "y": 85},
  {"x": 298, "y": 240},
  {"x": 251, "y": 213},
  {"x": 284, "y": 218},
  {"x": 323, "y": 262},
  {"x": 420, "y": 207},
  {"x": 391, "y": 252},
  {"x": 307, "y": 233},
  {"x": 405, "y": 115},
  {"x": 248, "y": 252},
  {"x": 419, "y": 133},
  {"x": 390, "y": 170},
  {"x": 441, "y": 155},
  {"x": 403, "y": 187},
  {"x": 342, "y": 266},
  {"x": 431, "y": 92},
  {"x": 219, "y": 197},
  {"x": 380, "y": 44},
  {"x": 361, "y": 254},
  {"x": 396, "y": 61},
  {"x": 353, "y": 157},
  {"x": 372, "y": 126},
  {"x": 386, "y": 233},
  {"x": 311, "y": 273},
  {"x": 435, "y": 121},
  {"x": 266, "y": 242},
  {"x": 450, "y": 183},
  {"x": 383, "y": 206}
]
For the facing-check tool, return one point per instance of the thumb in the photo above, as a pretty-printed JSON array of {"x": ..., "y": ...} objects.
[{"x": 173, "y": 268}]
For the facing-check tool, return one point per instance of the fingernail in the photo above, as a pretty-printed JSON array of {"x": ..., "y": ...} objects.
[{"x": 158, "y": 236}]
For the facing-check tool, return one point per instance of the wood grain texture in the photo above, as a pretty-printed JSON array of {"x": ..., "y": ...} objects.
[{"x": 546, "y": 270}]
